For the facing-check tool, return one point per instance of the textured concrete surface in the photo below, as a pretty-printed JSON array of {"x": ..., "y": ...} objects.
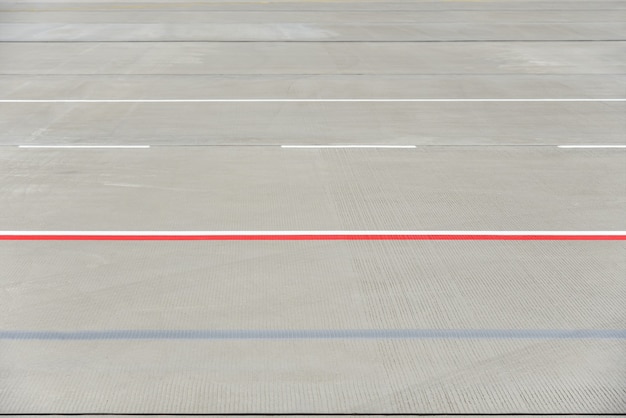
[
  {"x": 313, "y": 327},
  {"x": 270, "y": 188},
  {"x": 315, "y": 123}
]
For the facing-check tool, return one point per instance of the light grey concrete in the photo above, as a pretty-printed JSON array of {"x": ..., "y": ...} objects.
[
  {"x": 452, "y": 86},
  {"x": 270, "y": 285},
  {"x": 308, "y": 32},
  {"x": 314, "y": 123},
  {"x": 323, "y": 376},
  {"x": 269, "y": 188},
  {"x": 387, "y": 58},
  {"x": 66, "y": 286},
  {"x": 316, "y": 5},
  {"x": 218, "y": 166},
  {"x": 22, "y": 13}
]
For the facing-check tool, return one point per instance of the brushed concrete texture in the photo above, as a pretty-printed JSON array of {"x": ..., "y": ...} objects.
[
  {"x": 316, "y": 5},
  {"x": 314, "y": 376},
  {"x": 269, "y": 188},
  {"x": 295, "y": 286},
  {"x": 253, "y": 58},
  {"x": 313, "y": 123},
  {"x": 93, "y": 286},
  {"x": 307, "y": 32},
  {"x": 28, "y": 12},
  {"x": 177, "y": 86},
  {"x": 312, "y": 326}
]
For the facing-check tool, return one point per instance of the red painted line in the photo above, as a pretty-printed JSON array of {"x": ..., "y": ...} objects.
[{"x": 311, "y": 237}]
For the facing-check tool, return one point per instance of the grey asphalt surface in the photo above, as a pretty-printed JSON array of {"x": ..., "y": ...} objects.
[{"x": 446, "y": 327}]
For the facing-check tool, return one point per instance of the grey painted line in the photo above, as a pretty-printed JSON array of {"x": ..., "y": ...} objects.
[
  {"x": 166, "y": 9},
  {"x": 413, "y": 146},
  {"x": 287, "y": 41},
  {"x": 316, "y": 334},
  {"x": 320, "y": 75},
  {"x": 308, "y": 100},
  {"x": 181, "y": 10}
]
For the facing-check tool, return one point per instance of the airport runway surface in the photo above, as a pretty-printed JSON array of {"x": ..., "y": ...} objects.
[{"x": 313, "y": 207}]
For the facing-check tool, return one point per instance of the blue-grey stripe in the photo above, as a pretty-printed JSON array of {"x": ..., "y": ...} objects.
[{"x": 316, "y": 334}]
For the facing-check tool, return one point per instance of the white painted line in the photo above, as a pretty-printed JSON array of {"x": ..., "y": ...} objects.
[
  {"x": 318, "y": 233},
  {"x": 311, "y": 236},
  {"x": 86, "y": 146},
  {"x": 302, "y": 100},
  {"x": 346, "y": 146},
  {"x": 591, "y": 146}
]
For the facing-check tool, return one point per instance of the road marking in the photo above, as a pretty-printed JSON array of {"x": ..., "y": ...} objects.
[
  {"x": 87, "y": 146},
  {"x": 310, "y": 146},
  {"x": 347, "y": 146},
  {"x": 301, "y": 100},
  {"x": 126, "y": 6},
  {"x": 292, "y": 334},
  {"x": 308, "y": 235},
  {"x": 590, "y": 146}
]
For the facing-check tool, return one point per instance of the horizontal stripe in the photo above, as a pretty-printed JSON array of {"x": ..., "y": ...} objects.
[
  {"x": 348, "y": 146},
  {"x": 87, "y": 146},
  {"x": 316, "y": 334},
  {"x": 307, "y": 235},
  {"x": 304, "y": 100},
  {"x": 590, "y": 146}
]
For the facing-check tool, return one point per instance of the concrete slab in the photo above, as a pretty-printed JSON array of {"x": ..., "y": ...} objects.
[
  {"x": 485, "y": 13},
  {"x": 112, "y": 286},
  {"x": 451, "y": 327},
  {"x": 372, "y": 86},
  {"x": 320, "y": 286},
  {"x": 388, "y": 58},
  {"x": 325, "y": 5},
  {"x": 433, "y": 188},
  {"x": 320, "y": 376},
  {"x": 496, "y": 123},
  {"x": 308, "y": 32}
]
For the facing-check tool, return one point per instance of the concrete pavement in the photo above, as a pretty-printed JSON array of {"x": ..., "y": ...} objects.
[{"x": 450, "y": 327}]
